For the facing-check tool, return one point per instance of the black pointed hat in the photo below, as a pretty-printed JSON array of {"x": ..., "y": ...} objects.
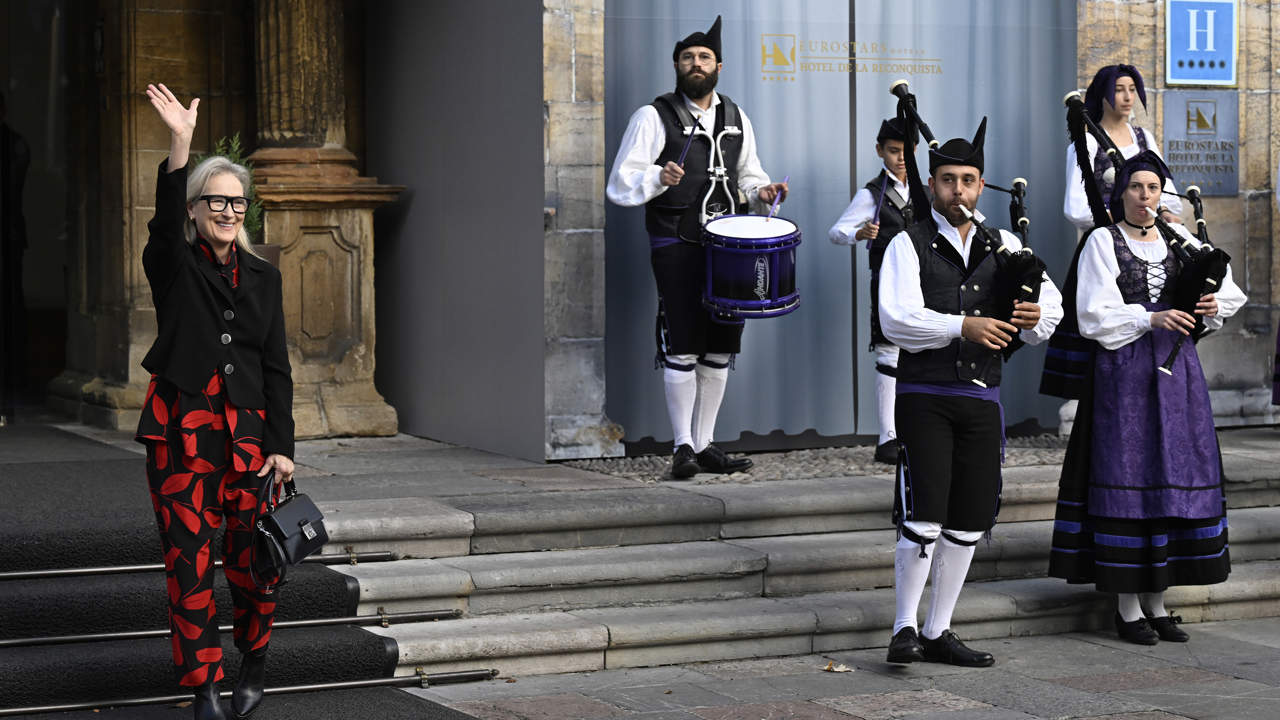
[
  {"x": 894, "y": 129},
  {"x": 709, "y": 39},
  {"x": 958, "y": 151}
]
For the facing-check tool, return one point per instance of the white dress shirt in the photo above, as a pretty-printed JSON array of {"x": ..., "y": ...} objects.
[
  {"x": 912, "y": 326},
  {"x": 861, "y": 210},
  {"x": 1075, "y": 205},
  {"x": 1102, "y": 312},
  {"x": 634, "y": 179}
]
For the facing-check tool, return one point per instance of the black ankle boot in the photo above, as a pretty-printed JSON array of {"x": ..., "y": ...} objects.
[
  {"x": 253, "y": 676},
  {"x": 206, "y": 704}
]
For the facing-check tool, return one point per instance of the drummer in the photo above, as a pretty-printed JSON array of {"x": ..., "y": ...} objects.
[
  {"x": 694, "y": 351},
  {"x": 878, "y": 212}
]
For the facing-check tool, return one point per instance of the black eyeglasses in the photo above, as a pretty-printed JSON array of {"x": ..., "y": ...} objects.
[{"x": 218, "y": 203}]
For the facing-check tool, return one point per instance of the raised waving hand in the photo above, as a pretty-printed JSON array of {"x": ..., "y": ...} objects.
[{"x": 180, "y": 120}]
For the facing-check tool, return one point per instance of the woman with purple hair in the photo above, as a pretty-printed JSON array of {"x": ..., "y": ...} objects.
[
  {"x": 1140, "y": 500},
  {"x": 1109, "y": 101}
]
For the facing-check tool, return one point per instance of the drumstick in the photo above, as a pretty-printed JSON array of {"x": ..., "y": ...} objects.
[
  {"x": 774, "y": 208},
  {"x": 884, "y": 189},
  {"x": 692, "y": 131}
]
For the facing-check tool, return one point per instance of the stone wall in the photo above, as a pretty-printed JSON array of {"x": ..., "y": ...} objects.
[
  {"x": 573, "y": 95},
  {"x": 1237, "y": 360},
  {"x": 198, "y": 48}
]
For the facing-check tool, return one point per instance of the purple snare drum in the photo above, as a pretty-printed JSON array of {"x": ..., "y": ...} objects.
[{"x": 751, "y": 267}]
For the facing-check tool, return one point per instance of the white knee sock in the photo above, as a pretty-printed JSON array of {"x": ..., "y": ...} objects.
[
  {"x": 711, "y": 382},
  {"x": 950, "y": 568},
  {"x": 910, "y": 572},
  {"x": 886, "y": 393},
  {"x": 1128, "y": 607},
  {"x": 1154, "y": 603},
  {"x": 682, "y": 391}
]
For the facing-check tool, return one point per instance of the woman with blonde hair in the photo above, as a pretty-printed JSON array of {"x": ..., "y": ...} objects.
[{"x": 218, "y": 416}]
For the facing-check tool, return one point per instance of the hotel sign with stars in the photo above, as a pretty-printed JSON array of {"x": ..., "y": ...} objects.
[{"x": 1202, "y": 40}]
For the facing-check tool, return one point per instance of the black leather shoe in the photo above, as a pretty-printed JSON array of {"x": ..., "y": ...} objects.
[
  {"x": 947, "y": 648},
  {"x": 887, "y": 453},
  {"x": 206, "y": 705},
  {"x": 253, "y": 676},
  {"x": 1138, "y": 632},
  {"x": 714, "y": 460},
  {"x": 684, "y": 464},
  {"x": 1167, "y": 628},
  {"x": 905, "y": 647}
]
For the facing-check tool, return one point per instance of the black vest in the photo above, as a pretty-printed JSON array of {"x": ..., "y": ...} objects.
[
  {"x": 662, "y": 214},
  {"x": 950, "y": 288},
  {"x": 892, "y": 220}
]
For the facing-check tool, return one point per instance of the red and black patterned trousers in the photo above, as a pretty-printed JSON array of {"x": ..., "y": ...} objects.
[{"x": 202, "y": 460}]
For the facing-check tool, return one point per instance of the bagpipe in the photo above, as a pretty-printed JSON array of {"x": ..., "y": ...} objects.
[
  {"x": 1202, "y": 271},
  {"x": 1078, "y": 124},
  {"x": 1019, "y": 273}
]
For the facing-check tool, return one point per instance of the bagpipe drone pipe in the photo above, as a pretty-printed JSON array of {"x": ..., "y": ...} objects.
[
  {"x": 1068, "y": 363},
  {"x": 1201, "y": 271}
]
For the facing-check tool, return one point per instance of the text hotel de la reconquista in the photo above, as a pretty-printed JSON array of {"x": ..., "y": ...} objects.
[{"x": 783, "y": 56}]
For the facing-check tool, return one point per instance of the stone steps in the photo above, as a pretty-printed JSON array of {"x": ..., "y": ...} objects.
[
  {"x": 712, "y": 570},
  {"x": 594, "y": 639},
  {"x": 524, "y": 521}
]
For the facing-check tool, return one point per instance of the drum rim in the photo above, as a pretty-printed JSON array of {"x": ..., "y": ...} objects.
[{"x": 782, "y": 305}]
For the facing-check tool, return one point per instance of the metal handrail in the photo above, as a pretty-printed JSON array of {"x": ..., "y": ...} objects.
[
  {"x": 419, "y": 678},
  {"x": 351, "y": 558},
  {"x": 384, "y": 619}
]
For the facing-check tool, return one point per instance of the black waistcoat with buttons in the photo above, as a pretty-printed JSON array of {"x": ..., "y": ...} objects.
[
  {"x": 892, "y": 220},
  {"x": 662, "y": 215},
  {"x": 954, "y": 288},
  {"x": 203, "y": 326}
]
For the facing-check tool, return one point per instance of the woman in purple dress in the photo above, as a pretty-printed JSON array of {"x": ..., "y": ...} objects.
[{"x": 1140, "y": 504}]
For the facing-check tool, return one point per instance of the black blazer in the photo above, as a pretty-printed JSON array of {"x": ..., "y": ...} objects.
[{"x": 205, "y": 327}]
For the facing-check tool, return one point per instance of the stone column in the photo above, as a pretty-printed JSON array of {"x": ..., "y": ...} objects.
[
  {"x": 319, "y": 211},
  {"x": 573, "y": 94},
  {"x": 198, "y": 50}
]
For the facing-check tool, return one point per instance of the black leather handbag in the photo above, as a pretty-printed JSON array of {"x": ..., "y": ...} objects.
[{"x": 284, "y": 535}]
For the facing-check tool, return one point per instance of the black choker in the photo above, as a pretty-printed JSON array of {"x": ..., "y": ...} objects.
[{"x": 1140, "y": 227}]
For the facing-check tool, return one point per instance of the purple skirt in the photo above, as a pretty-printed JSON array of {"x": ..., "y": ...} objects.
[{"x": 1155, "y": 452}]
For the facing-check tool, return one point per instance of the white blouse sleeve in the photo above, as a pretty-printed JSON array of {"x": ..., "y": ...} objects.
[
  {"x": 1103, "y": 314},
  {"x": 635, "y": 178},
  {"x": 1075, "y": 204},
  {"x": 751, "y": 175},
  {"x": 903, "y": 317},
  {"x": 855, "y": 216}
]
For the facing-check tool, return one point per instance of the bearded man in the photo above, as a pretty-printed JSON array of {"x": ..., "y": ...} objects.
[
  {"x": 659, "y": 166},
  {"x": 937, "y": 301}
]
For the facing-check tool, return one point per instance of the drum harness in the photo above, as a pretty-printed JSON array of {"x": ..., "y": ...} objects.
[{"x": 719, "y": 176}]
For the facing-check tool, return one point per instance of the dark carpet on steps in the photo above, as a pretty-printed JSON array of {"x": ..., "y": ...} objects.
[
  {"x": 79, "y": 513},
  {"x": 138, "y": 601},
  {"x": 55, "y": 674},
  {"x": 362, "y": 704}
]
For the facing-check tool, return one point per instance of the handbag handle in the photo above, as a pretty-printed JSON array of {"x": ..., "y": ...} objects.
[{"x": 268, "y": 485}]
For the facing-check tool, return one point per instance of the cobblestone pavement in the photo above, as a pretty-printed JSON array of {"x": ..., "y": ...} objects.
[
  {"x": 1229, "y": 670},
  {"x": 816, "y": 463}
]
